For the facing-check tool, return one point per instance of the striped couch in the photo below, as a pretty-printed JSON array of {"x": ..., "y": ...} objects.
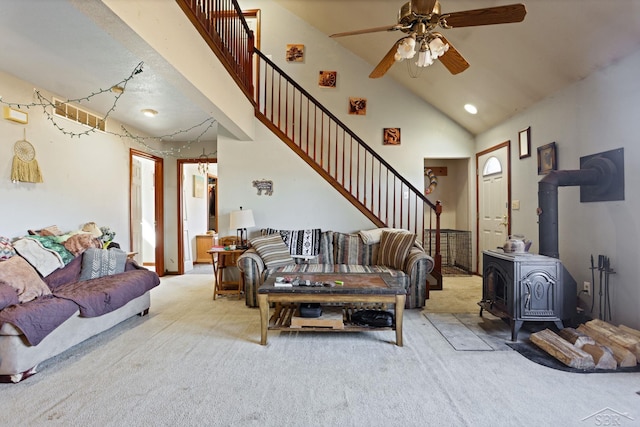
[{"x": 343, "y": 253}]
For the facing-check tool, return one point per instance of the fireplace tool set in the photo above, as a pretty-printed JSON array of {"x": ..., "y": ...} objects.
[{"x": 605, "y": 270}]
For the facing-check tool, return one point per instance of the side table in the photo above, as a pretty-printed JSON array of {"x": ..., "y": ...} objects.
[{"x": 225, "y": 259}]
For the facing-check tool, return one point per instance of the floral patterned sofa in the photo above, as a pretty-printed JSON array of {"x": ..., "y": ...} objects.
[{"x": 315, "y": 251}]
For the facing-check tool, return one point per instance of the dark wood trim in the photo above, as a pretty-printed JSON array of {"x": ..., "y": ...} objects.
[
  {"x": 158, "y": 205},
  {"x": 180, "y": 227}
]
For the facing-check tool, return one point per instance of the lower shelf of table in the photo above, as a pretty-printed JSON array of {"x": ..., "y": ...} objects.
[{"x": 281, "y": 320}]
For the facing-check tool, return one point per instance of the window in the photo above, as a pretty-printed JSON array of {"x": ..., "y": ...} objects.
[{"x": 492, "y": 166}]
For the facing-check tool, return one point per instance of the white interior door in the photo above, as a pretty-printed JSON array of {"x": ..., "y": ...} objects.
[
  {"x": 493, "y": 200},
  {"x": 136, "y": 208}
]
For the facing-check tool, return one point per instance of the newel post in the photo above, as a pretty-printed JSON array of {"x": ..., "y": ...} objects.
[{"x": 438, "y": 257}]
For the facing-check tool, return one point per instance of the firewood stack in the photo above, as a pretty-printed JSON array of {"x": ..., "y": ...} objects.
[{"x": 593, "y": 345}]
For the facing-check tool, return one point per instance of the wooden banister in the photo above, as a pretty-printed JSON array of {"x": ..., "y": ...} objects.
[{"x": 326, "y": 144}]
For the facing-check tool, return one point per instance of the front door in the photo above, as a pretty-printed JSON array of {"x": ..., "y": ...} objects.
[{"x": 493, "y": 190}]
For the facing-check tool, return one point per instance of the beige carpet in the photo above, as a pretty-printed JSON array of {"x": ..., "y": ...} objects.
[
  {"x": 197, "y": 362},
  {"x": 459, "y": 294}
]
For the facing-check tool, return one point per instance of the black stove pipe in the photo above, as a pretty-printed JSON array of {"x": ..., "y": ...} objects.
[{"x": 548, "y": 203}]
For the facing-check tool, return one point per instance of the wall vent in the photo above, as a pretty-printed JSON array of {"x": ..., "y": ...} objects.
[{"x": 78, "y": 115}]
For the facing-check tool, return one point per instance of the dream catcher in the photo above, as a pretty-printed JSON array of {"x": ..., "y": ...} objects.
[{"x": 25, "y": 166}]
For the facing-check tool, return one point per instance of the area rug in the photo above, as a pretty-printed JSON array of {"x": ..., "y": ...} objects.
[{"x": 456, "y": 333}]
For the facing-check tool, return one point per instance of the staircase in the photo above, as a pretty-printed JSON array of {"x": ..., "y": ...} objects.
[{"x": 328, "y": 146}]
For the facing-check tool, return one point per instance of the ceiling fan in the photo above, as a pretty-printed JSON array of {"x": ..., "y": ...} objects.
[{"x": 419, "y": 19}]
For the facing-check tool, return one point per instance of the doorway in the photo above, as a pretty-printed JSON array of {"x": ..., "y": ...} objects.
[
  {"x": 493, "y": 198},
  {"x": 195, "y": 207},
  {"x": 146, "y": 212}
]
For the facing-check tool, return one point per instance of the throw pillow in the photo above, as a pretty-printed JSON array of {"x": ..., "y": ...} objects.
[
  {"x": 6, "y": 248},
  {"x": 370, "y": 237},
  {"x": 349, "y": 249},
  {"x": 8, "y": 295},
  {"x": 102, "y": 262},
  {"x": 394, "y": 248},
  {"x": 20, "y": 275},
  {"x": 272, "y": 250},
  {"x": 299, "y": 242},
  {"x": 302, "y": 242}
]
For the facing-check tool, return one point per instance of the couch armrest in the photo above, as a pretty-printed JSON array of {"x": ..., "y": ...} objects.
[
  {"x": 418, "y": 266},
  {"x": 251, "y": 267}
]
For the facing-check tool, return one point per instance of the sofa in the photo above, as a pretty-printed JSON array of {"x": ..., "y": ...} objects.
[
  {"x": 381, "y": 250},
  {"x": 42, "y": 315}
]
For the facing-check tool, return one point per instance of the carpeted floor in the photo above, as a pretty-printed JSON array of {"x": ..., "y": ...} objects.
[{"x": 194, "y": 361}]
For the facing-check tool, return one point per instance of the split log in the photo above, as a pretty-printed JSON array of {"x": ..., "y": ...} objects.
[
  {"x": 624, "y": 357},
  {"x": 562, "y": 350},
  {"x": 576, "y": 338},
  {"x": 602, "y": 356},
  {"x": 617, "y": 335},
  {"x": 629, "y": 330}
]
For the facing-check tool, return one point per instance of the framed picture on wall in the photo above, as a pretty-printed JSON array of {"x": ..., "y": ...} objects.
[
  {"x": 327, "y": 79},
  {"x": 295, "y": 53},
  {"x": 391, "y": 136},
  {"x": 198, "y": 186},
  {"x": 357, "y": 106},
  {"x": 524, "y": 139},
  {"x": 547, "y": 158}
]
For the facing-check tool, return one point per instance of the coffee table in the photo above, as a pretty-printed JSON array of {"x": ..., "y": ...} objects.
[{"x": 356, "y": 288}]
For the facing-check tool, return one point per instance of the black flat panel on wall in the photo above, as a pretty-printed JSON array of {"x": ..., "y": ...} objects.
[{"x": 612, "y": 187}]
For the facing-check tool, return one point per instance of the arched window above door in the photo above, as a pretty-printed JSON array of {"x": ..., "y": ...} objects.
[{"x": 492, "y": 166}]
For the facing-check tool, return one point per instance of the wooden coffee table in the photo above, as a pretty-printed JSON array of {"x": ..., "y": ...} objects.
[{"x": 357, "y": 288}]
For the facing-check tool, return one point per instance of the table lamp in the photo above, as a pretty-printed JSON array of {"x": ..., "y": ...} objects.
[{"x": 240, "y": 220}]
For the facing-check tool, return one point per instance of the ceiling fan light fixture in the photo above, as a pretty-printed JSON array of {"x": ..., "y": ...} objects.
[
  {"x": 424, "y": 58},
  {"x": 438, "y": 47}
]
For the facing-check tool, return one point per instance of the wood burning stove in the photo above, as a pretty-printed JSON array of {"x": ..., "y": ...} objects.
[{"x": 525, "y": 287}]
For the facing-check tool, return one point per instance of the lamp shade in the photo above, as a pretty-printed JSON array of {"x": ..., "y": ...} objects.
[{"x": 241, "y": 219}]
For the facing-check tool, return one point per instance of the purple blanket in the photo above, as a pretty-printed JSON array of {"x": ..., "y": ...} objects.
[
  {"x": 37, "y": 318},
  {"x": 96, "y": 297}
]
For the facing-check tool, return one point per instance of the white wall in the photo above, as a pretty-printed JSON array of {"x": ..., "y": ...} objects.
[
  {"x": 425, "y": 131},
  {"x": 166, "y": 28},
  {"x": 301, "y": 198},
  {"x": 598, "y": 114},
  {"x": 85, "y": 179}
]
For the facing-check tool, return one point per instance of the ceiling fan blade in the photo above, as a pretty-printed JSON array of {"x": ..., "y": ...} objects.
[
  {"x": 422, "y": 7},
  {"x": 368, "y": 30},
  {"x": 386, "y": 62},
  {"x": 488, "y": 16},
  {"x": 452, "y": 59}
]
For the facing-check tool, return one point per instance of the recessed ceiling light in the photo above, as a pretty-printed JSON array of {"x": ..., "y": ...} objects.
[
  {"x": 149, "y": 112},
  {"x": 471, "y": 109}
]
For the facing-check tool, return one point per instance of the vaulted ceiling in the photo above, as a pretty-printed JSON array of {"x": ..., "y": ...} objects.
[
  {"x": 512, "y": 65},
  {"x": 74, "y": 47}
]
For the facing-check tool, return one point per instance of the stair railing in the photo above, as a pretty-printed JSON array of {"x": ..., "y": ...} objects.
[
  {"x": 222, "y": 25},
  {"x": 340, "y": 156},
  {"x": 314, "y": 133}
]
